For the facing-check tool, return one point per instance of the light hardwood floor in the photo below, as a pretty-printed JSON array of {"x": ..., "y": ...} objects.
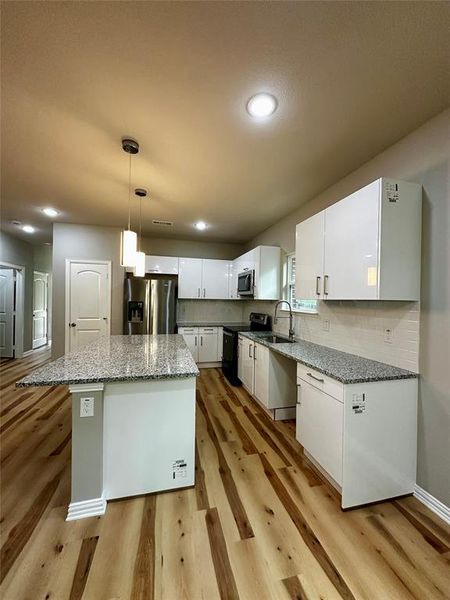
[{"x": 259, "y": 524}]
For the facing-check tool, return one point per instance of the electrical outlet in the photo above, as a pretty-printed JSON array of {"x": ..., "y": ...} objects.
[
  {"x": 326, "y": 325},
  {"x": 388, "y": 336},
  {"x": 87, "y": 407}
]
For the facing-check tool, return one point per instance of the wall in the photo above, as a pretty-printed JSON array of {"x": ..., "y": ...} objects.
[
  {"x": 18, "y": 252},
  {"x": 422, "y": 157},
  {"x": 190, "y": 248},
  {"x": 103, "y": 243},
  {"x": 198, "y": 311}
]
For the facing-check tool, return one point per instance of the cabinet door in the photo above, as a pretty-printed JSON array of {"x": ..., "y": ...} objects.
[
  {"x": 215, "y": 279},
  {"x": 190, "y": 278},
  {"x": 207, "y": 351},
  {"x": 240, "y": 358},
  {"x": 161, "y": 264},
  {"x": 261, "y": 391},
  {"x": 232, "y": 290},
  {"x": 320, "y": 427},
  {"x": 309, "y": 248},
  {"x": 191, "y": 340},
  {"x": 247, "y": 365},
  {"x": 351, "y": 246},
  {"x": 219, "y": 344}
]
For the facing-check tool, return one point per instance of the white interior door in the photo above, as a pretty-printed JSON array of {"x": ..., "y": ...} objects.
[
  {"x": 89, "y": 302},
  {"x": 40, "y": 309},
  {"x": 7, "y": 313}
]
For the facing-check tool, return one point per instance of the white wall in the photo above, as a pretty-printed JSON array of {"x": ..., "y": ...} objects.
[{"x": 422, "y": 157}]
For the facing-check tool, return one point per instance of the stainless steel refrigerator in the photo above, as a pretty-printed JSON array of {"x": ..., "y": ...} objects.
[{"x": 150, "y": 304}]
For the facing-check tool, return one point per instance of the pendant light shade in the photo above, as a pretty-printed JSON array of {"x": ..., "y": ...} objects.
[
  {"x": 128, "y": 238},
  {"x": 139, "y": 268},
  {"x": 128, "y": 248}
]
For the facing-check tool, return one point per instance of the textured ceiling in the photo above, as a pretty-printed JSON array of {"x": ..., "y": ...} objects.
[{"x": 351, "y": 79}]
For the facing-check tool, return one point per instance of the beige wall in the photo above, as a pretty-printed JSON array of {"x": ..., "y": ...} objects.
[
  {"x": 103, "y": 243},
  {"x": 422, "y": 157}
]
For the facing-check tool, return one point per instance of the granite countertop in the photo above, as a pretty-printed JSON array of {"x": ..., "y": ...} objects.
[
  {"x": 211, "y": 324},
  {"x": 344, "y": 367},
  {"x": 119, "y": 358}
]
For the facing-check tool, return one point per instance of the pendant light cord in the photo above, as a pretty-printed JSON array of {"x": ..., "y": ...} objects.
[
  {"x": 140, "y": 222},
  {"x": 129, "y": 193}
]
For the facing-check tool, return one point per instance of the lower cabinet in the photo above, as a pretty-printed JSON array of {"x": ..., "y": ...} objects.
[
  {"x": 269, "y": 377},
  {"x": 362, "y": 436},
  {"x": 205, "y": 343}
]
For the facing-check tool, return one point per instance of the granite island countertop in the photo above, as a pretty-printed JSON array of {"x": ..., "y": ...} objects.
[
  {"x": 119, "y": 358},
  {"x": 342, "y": 366}
]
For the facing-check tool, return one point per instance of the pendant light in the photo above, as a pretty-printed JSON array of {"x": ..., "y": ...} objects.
[
  {"x": 139, "y": 268},
  {"x": 128, "y": 238}
]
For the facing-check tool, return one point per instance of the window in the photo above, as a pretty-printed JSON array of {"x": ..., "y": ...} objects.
[{"x": 309, "y": 306}]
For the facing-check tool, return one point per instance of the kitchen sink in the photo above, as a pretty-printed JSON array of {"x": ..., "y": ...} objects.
[{"x": 274, "y": 339}]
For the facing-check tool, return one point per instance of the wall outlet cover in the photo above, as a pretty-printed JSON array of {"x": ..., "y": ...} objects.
[
  {"x": 87, "y": 407},
  {"x": 388, "y": 336},
  {"x": 326, "y": 325}
]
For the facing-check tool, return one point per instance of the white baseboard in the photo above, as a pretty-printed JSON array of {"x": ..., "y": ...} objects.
[
  {"x": 432, "y": 503},
  {"x": 86, "y": 508}
]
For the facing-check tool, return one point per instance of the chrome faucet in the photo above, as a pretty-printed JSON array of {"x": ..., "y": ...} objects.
[{"x": 291, "y": 320}]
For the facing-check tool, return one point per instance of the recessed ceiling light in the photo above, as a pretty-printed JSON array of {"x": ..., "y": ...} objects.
[
  {"x": 201, "y": 225},
  {"x": 262, "y": 105},
  {"x": 50, "y": 212},
  {"x": 28, "y": 229}
]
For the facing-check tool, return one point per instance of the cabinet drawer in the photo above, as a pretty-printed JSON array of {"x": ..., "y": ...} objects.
[
  {"x": 183, "y": 330},
  {"x": 322, "y": 382},
  {"x": 207, "y": 329}
]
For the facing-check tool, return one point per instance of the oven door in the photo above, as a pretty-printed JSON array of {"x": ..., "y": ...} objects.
[{"x": 245, "y": 283}]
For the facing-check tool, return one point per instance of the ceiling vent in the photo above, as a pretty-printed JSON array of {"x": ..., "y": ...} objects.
[{"x": 162, "y": 223}]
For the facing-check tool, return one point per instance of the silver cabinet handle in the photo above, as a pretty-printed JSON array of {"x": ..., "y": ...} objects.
[
  {"x": 204, "y": 292},
  {"x": 298, "y": 394},
  {"x": 318, "y": 285},
  {"x": 316, "y": 378},
  {"x": 254, "y": 351},
  {"x": 250, "y": 351},
  {"x": 199, "y": 292},
  {"x": 325, "y": 285},
  {"x": 195, "y": 340},
  {"x": 201, "y": 340}
]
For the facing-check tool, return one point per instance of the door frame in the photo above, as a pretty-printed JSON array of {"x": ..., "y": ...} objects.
[
  {"x": 19, "y": 307},
  {"x": 69, "y": 262}
]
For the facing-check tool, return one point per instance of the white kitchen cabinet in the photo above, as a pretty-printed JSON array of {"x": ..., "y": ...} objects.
[
  {"x": 269, "y": 377},
  {"x": 219, "y": 344},
  {"x": 233, "y": 273},
  {"x": 190, "y": 335},
  {"x": 309, "y": 252},
  {"x": 319, "y": 427},
  {"x": 207, "y": 351},
  {"x": 215, "y": 279},
  {"x": 370, "y": 243},
  {"x": 247, "y": 365},
  {"x": 261, "y": 386},
  {"x": 161, "y": 264},
  {"x": 265, "y": 261},
  {"x": 363, "y": 436},
  {"x": 190, "y": 277}
]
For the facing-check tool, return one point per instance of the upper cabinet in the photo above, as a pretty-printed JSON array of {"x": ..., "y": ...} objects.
[
  {"x": 365, "y": 247},
  {"x": 265, "y": 261},
  {"x": 161, "y": 264},
  {"x": 203, "y": 278}
]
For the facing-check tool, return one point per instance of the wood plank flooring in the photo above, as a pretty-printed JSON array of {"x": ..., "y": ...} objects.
[{"x": 259, "y": 524}]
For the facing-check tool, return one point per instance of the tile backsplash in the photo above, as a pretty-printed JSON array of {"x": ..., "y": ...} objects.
[{"x": 358, "y": 327}]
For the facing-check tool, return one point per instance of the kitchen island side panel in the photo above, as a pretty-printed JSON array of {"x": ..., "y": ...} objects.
[{"x": 149, "y": 436}]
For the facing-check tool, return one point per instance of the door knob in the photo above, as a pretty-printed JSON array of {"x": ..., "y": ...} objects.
[{"x": 72, "y": 324}]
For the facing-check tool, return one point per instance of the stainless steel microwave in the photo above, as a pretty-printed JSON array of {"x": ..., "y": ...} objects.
[{"x": 246, "y": 283}]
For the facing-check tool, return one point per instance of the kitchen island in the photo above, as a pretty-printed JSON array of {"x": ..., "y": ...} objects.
[{"x": 133, "y": 417}]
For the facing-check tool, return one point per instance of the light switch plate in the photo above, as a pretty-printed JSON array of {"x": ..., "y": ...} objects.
[
  {"x": 87, "y": 407},
  {"x": 326, "y": 325}
]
